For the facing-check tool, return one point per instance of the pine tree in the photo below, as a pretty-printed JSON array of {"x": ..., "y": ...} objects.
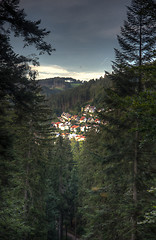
[
  {"x": 130, "y": 82},
  {"x": 61, "y": 189},
  {"x": 22, "y": 130},
  {"x": 137, "y": 43},
  {"x": 14, "y": 67}
]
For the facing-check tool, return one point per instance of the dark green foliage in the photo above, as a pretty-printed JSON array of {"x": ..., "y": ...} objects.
[
  {"x": 29, "y": 30},
  {"x": 73, "y": 99},
  {"x": 23, "y": 130},
  {"x": 61, "y": 189},
  {"x": 137, "y": 37},
  {"x": 23, "y": 168},
  {"x": 127, "y": 150},
  {"x": 106, "y": 171},
  {"x": 123, "y": 152},
  {"x": 137, "y": 46},
  {"x": 13, "y": 68}
]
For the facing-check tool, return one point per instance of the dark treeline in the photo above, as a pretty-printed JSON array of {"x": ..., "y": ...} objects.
[
  {"x": 57, "y": 81},
  {"x": 56, "y": 85},
  {"x": 100, "y": 189}
]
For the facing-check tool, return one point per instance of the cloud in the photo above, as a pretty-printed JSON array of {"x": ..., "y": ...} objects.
[
  {"x": 109, "y": 33},
  {"x": 58, "y": 71}
]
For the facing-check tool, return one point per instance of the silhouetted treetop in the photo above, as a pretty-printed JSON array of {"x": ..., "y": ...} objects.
[{"x": 13, "y": 19}]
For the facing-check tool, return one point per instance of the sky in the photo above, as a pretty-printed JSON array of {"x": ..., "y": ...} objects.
[{"x": 83, "y": 32}]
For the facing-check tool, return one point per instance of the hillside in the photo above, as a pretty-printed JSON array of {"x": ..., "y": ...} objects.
[
  {"x": 56, "y": 85},
  {"x": 72, "y": 99}
]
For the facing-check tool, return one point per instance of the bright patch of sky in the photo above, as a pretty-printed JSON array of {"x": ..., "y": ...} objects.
[{"x": 58, "y": 71}]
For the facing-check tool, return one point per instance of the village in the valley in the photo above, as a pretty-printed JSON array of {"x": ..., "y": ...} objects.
[{"x": 76, "y": 126}]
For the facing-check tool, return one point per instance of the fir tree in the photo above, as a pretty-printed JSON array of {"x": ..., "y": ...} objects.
[
  {"x": 137, "y": 43},
  {"x": 126, "y": 150},
  {"x": 61, "y": 189},
  {"x": 22, "y": 130}
]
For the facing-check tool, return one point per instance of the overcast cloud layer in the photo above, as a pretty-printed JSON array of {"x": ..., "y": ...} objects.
[{"x": 82, "y": 31}]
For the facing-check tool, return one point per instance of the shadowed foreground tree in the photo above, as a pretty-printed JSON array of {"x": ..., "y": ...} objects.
[
  {"x": 133, "y": 80},
  {"x": 23, "y": 129}
]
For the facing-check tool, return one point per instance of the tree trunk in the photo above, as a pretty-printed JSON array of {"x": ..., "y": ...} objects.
[
  {"x": 66, "y": 232},
  {"x": 140, "y": 55},
  {"x": 61, "y": 215},
  {"x": 75, "y": 221},
  {"x": 60, "y": 227},
  {"x": 135, "y": 172}
]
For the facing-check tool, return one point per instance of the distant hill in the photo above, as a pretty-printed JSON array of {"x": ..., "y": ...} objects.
[{"x": 55, "y": 85}]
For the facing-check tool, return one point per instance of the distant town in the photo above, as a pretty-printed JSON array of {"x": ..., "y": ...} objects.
[{"x": 76, "y": 126}]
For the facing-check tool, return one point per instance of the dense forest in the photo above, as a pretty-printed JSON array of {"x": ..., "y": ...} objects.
[
  {"x": 103, "y": 188},
  {"x": 73, "y": 99}
]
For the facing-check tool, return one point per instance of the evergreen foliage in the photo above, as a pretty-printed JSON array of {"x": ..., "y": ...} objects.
[
  {"x": 23, "y": 130},
  {"x": 61, "y": 189},
  {"x": 125, "y": 147},
  {"x": 75, "y": 98}
]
